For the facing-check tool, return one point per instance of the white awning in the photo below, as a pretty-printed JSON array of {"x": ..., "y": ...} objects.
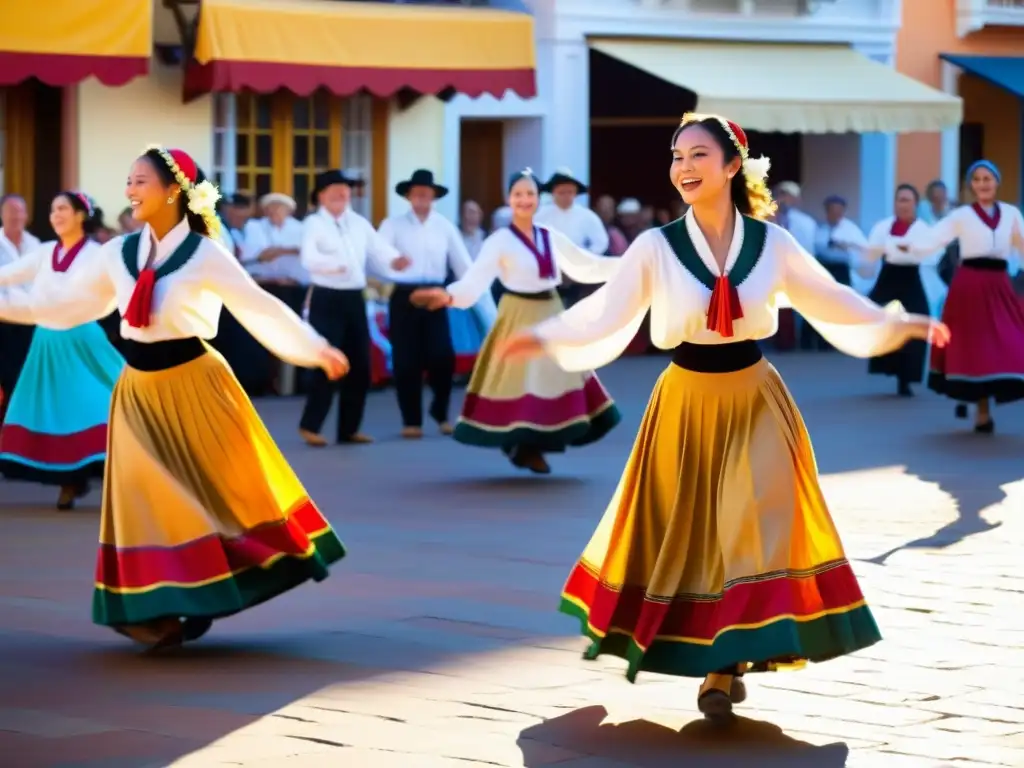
[{"x": 792, "y": 88}]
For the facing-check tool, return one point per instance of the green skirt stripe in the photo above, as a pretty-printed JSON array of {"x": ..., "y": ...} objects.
[
  {"x": 580, "y": 433},
  {"x": 220, "y": 598},
  {"x": 782, "y": 641}
]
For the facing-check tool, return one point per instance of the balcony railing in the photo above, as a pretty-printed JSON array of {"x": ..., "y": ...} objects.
[{"x": 972, "y": 15}]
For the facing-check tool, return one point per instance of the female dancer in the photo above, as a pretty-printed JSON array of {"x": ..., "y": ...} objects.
[
  {"x": 55, "y": 432},
  {"x": 201, "y": 517},
  {"x": 532, "y": 407},
  {"x": 717, "y": 549},
  {"x": 900, "y": 280},
  {"x": 986, "y": 359}
]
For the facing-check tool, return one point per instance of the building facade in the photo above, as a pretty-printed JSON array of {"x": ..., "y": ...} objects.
[
  {"x": 263, "y": 94},
  {"x": 973, "y": 49},
  {"x": 812, "y": 81}
]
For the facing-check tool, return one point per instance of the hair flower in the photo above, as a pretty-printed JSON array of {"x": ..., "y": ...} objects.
[
  {"x": 202, "y": 198},
  {"x": 756, "y": 168}
]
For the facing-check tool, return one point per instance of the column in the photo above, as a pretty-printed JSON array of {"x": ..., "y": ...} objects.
[
  {"x": 563, "y": 81},
  {"x": 949, "y": 163},
  {"x": 877, "y": 166}
]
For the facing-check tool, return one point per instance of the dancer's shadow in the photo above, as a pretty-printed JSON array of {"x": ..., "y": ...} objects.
[
  {"x": 641, "y": 744},
  {"x": 951, "y": 460}
]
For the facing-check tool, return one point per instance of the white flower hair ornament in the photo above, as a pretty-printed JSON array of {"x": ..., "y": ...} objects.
[
  {"x": 756, "y": 168},
  {"x": 202, "y": 197}
]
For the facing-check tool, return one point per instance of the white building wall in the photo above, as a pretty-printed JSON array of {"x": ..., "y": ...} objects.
[{"x": 562, "y": 104}]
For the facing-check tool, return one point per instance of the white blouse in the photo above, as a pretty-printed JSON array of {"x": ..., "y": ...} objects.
[
  {"x": 186, "y": 303},
  {"x": 598, "y": 329},
  {"x": 977, "y": 239},
  {"x": 882, "y": 244},
  {"x": 35, "y": 273},
  {"x": 579, "y": 224},
  {"x": 505, "y": 257}
]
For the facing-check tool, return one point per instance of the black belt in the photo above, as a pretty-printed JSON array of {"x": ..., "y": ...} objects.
[
  {"x": 986, "y": 263},
  {"x": 410, "y": 287},
  {"x": 538, "y": 296},
  {"x": 161, "y": 355},
  {"x": 907, "y": 267},
  {"x": 344, "y": 291},
  {"x": 717, "y": 358}
]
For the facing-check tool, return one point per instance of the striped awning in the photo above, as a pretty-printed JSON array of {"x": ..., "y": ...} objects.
[
  {"x": 345, "y": 47},
  {"x": 62, "y": 42}
]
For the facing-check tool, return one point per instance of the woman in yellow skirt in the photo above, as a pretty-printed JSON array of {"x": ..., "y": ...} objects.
[
  {"x": 202, "y": 517},
  {"x": 717, "y": 553},
  {"x": 533, "y": 407}
]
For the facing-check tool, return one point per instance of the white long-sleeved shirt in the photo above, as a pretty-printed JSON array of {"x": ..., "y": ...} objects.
[
  {"x": 598, "y": 329},
  {"x": 34, "y": 273},
  {"x": 10, "y": 252},
  {"x": 881, "y": 238},
  {"x": 338, "y": 252},
  {"x": 801, "y": 226},
  {"x": 579, "y": 224},
  {"x": 505, "y": 257},
  {"x": 260, "y": 234},
  {"x": 186, "y": 303},
  {"x": 843, "y": 232},
  {"x": 977, "y": 239},
  {"x": 433, "y": 246}
]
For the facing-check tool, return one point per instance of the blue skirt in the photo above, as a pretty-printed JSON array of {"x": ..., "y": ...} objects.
[
  {"x": 55, "y": 431},
  {"x": 467, "y": 330}
]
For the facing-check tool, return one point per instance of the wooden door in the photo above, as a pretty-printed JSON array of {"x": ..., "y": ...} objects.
[{"x": 481, "y": 164}]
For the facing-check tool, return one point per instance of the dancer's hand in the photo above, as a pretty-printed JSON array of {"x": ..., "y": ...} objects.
[
  {"x": 401, "y": 263},
  {"x": 520, "y": 346},
  {"x": 926, "y": 329},
  {"x": 430, "y": 298},
  {"x": 334, "y": 363}
]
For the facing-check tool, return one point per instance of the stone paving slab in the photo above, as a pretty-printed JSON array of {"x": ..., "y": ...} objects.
[{"x": 436, "y": 643}]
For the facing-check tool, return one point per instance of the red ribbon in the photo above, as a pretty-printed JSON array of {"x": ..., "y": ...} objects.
[
  {"x": 140, "y": 306},
  {"x": 724, "y": 307}
]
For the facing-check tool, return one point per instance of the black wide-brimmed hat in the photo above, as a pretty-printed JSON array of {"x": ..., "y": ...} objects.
[
  {"x": 329, "y": 179},
  {"x": 563, "y": 176},
  {"x": 420, "y": 178}
]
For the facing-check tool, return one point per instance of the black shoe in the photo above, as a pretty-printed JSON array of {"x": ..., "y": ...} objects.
[
  {"x": 960, "y": 411},
  {"x": 904, "y": 390},
  {"x": 987, "y": 428}
]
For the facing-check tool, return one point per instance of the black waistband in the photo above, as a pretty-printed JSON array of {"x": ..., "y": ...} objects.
[
  {"x": 161, "y": 355},
  {"x": 538, "y": 296},
  {"x": 716, "y": 358},
  {"x": 987, "y": 263},
  {"x": 889, "y": 265}
]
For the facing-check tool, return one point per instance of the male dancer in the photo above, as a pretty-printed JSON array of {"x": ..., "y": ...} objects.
[
  {"x": 421, "y": 340},
  {"x": 337, "y": 247}
]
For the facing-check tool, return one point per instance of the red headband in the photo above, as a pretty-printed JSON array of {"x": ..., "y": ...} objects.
[
  {"x": 185, "y": 163},
  {"x": 740, "y": 134},
  {"x": 84, "y": 201}
]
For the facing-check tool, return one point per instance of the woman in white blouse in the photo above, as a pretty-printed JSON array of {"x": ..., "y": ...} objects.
[
  {"x": 533, "y": 407},
  {"x": 201, "y": 515},
  {"x": 985, "y": 360},
  {"x": 899, "y": 280},
  {"x": 55, "y": 431},
  {"x": 717, "y": 552}
]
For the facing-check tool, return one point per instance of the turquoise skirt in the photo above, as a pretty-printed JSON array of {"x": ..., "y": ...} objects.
[{"x": 55, "y": 431}]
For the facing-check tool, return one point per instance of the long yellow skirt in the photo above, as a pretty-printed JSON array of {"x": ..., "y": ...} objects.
[
  {"x": 717, "y": 548},
  {"x": 202, "y": 517}
]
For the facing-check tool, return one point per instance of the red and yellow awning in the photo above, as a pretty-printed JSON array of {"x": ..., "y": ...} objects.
[
  {"x": 304, "y": 45},
  {"x": 62, "y": 42}
]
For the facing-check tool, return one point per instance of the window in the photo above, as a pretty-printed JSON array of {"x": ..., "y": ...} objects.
[
  {"x": 279, "y": 142},
  {"x": 357, "y": 147}
]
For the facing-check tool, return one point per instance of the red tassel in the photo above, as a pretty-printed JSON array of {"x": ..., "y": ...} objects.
[
  {"x": 140, "y": 306},
  {"x": 724, "y": 307}
]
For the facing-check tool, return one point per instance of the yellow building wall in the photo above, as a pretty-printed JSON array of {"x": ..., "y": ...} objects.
[
  {"x": 116, "y": 124},
  {"x": 415, "y": 140},
  {"x": 929, "y": 29}
]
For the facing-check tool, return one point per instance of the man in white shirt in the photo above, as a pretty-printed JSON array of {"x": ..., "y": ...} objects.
[
  {"x": 804, "y": 230},
  {"x": 421, "y": 340},
  {"x": 270, "y": 250},
  {"x": 15, "y": 340},
  {"x": 579, "y": 224},
  {"x": 838, "y": 241},
  {"x": 338, "y": 246}
]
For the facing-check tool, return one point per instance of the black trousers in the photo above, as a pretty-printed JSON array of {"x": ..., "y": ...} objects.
[
  {"x": 421, "y": 343},
  {"x": 340, "y": 317},
  {"x": 15, "y": 341}
]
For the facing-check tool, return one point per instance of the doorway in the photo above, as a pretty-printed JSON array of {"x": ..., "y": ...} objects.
[{"x": 481, "y": 164}]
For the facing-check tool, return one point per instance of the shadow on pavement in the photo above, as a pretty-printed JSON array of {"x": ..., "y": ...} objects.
[{"x": 643, "y": 744}]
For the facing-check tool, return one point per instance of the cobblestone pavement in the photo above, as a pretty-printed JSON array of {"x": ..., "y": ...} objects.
[{"x": 436, "y": 643}]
